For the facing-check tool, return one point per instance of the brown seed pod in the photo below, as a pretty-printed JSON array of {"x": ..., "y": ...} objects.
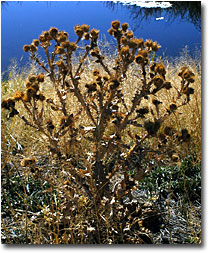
[
  {"x": 115, "y": 24},
  {"x": 26, "y": 48},
  {"x": 124, "y": 27}
]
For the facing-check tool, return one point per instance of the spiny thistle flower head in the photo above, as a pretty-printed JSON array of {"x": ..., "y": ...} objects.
[
  {"x": 40, "y": 78},
  {"x": 31, "y": 92},
  {"x": 18, "y": 95},
  {"x": 62, "y": 36},
  {"x": 158, "y": 81},
  {"x": 86, "y": 36},
  {"x": 8, "y": 103},
  {"x": 133, "y": 43},
  {"x": 167, "y": 85},
  {"x": 94, "y": 33},
  {"x": 95, "y": 72},
  {"x": 187, "y": 74},
  {"x": 59, "y": 50},
  {"x": 78, "y": 30},
  {"x": 124, "y": 51},
  {"x": 155, "y": 46},
  {"x": 129, "y": 34},
  {"x": 85, "y": 28},
  {"x": 33, "y": 48},
  {"x": 36, "y": 42},
  {"x": 124, "y": 40},
  {"x": 32, "y": 78},
  {"x": 160, "y": 69},
  {"x": 124, "y": 27},
  {"x": 172, "y": 107},
  {"x": 115, "y": 24},
  {"x": 26, "y": 48},
  {"x": 148, "y": 43},
  {"x": 60, "y": 64},
  {"x": 95, "y": 52},
  {"x": 53, "y": 31},
  {"x": 142, "y": 56}
]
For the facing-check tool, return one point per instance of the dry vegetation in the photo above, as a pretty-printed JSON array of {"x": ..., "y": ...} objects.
[{"x": 84, "y": 133}]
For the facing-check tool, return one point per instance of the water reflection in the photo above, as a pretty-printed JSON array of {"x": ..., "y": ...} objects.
[{"x": 189, "y": 11}]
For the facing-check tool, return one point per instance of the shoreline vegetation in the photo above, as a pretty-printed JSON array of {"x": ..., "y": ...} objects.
[{"x": 111, "y": 157}]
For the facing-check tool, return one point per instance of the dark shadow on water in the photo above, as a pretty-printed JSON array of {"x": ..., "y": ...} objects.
[{"x": 189, "y": 11}]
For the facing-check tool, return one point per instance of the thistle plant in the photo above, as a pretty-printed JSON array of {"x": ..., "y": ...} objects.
[{"x": 98, "y": 143}]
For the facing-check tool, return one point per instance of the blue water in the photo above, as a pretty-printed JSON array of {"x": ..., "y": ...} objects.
[{"x": 21, "y": 22}]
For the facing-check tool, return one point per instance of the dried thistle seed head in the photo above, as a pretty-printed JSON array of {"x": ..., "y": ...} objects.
[
  {"x": 85, "y": 28},
  {"x": 86, "y": 36},
  {"x": 152, "y": 67},
  {"x": 35, "y": 86},
  {"x": 129, "y": 34},
  {"x": 78, "y": 30},
  {"x": 111, "y": 31},
  {"x": 172, "y": 107},
  {"x": 95, "y": 72},
  {"x": 95, "y": 52},
  {"x": 26, "y": 98},
  {"x": 59, "y": 50},
  {"x": 167, "y": 85},
  {"x": 46, "y": 34},
  {"x": 60, "y": 64},
  {"x": 142, "y": 57},
  {"x": 188, "y": 90},
  {"x": 91, "y": 87},
  {"x": 26, "y": 48},
  {"x": 28, "y": 84},
  {"x": 124, "y": 51},
  {"x": 155, "y": 46},
  {"x": 148, "y": 43},
  {"x": 32, "y": 78},
  {"x": 115, "y": 24},
  {"x": 72, "y": 46},
  {"x": 40, "y": 97},
  {"x": 160, "y": 69},
  {"x": 40, "y": 78},
  {"x": 124, "y": 27},
  {"x": 42, "y": 38},
  {"x": 50, "y": 125},
  {"x": 124, "y": 40},
  {"x": 18, "y": 95},
  {"x": 28, "y": 161},
  {"x": 36, "y": 42},
  {"x": 156, "y": 102},
  {"x": 31, "y": 92},
  {"x": 187, "y": 74},
  {"x": 94, "y": 33},
  {"x": 139, "y": 59},
  {"x": 142, "y": 111},
  {"x": 114, "y": 84},
  {"x": 133, "y": 43},
  {"x": 8, "y": 103},
  {"x": 33, "y": 48},
  {"x": 158, "y": 81},
  {"x": 53, "y": 31},
  {"x": 62, "y": 36},
  {"x": 185, "y": 135},
  {"x": 105, "y": 78}
]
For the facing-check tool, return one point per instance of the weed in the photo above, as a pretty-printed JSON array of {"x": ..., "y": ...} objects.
[{"x": 85, "y": 113}]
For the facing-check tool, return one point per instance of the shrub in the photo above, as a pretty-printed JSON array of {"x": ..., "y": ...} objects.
[{"x": 93, "y": 144}]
